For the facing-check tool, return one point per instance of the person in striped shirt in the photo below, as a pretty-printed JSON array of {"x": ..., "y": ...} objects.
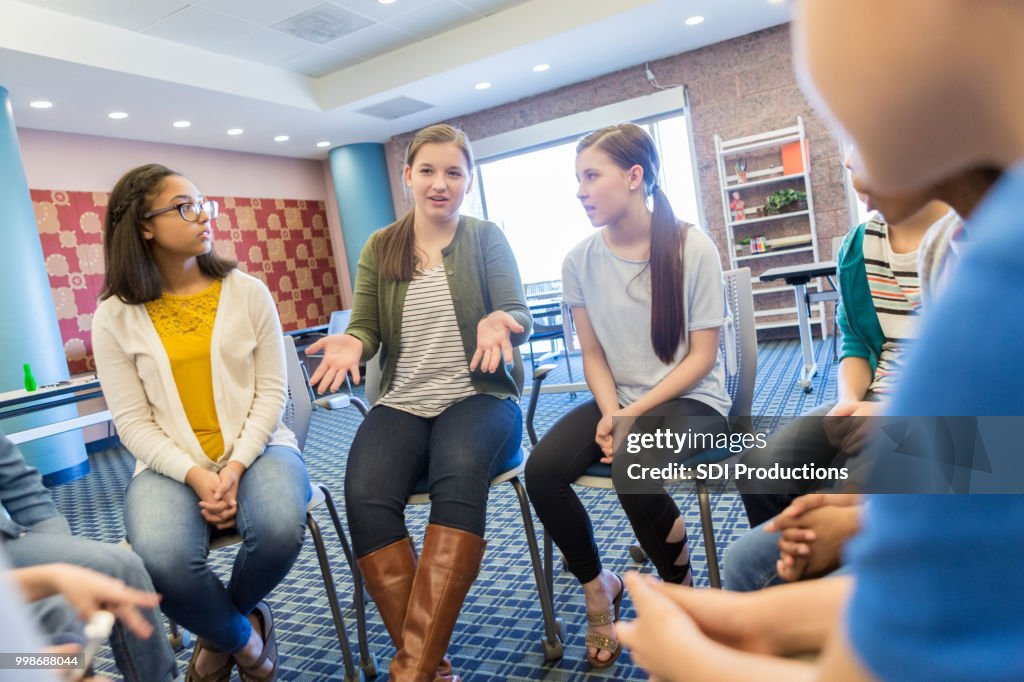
[
  {"x": 438, "y": 294},
  {"x": 878, "y": 315}
]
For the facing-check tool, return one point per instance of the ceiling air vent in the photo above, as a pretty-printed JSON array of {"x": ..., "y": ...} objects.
[
  {"x": 323, "y": 23},
  {"x": 395, "y": 108}
]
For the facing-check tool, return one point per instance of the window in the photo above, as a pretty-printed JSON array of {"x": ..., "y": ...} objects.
[{"x": 532, "y": 196}]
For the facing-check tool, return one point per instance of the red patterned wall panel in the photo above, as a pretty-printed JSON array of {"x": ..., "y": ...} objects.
[{"x": 284, "y": 242}]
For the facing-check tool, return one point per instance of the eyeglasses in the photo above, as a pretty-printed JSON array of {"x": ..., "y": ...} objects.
[{"x": 190, "y": 211}]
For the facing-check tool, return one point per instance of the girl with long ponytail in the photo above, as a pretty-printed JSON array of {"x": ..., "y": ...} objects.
[{"x": 647, "y": 299}]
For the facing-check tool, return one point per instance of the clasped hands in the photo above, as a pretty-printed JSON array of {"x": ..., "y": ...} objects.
[
  {"x": 611, "y": 431},
  {"x": 813, "y": 530},
  {"x": 217, "y": 492}
]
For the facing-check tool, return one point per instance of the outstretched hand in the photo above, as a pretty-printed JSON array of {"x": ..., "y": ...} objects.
[
  {"x": 342, "y": 353},
  {"x": 493, "y": 343}
]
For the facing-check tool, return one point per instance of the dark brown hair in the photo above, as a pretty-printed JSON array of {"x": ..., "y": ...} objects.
[
  {"x": 628, "y": 145},
  {"x": 395, "y": 246},
  {"x": 132, "y": 274}
]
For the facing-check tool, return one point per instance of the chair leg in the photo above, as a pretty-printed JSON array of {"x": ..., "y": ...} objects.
[
  {"x": 568, "y": 364},
  {"x": 367, "y": 661},
  {"x": 549, "y": 564},
  {"x": 710, "y": 550},
  {"x": 332, "y": 598},
  {"x": 553, "y": 636},
  {"x": 835, "y": 335}
]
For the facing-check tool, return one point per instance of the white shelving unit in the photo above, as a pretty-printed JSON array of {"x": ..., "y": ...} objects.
[{"x": 765, "y": 173}]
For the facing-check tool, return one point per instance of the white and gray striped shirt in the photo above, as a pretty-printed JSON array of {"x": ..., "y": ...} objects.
[{"x": 432, "y": 372}]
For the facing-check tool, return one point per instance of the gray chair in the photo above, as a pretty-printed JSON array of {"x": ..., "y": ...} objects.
[
  {"x": 337, "y": 325},
  {"x": 298, "y": 414},
  {"x": 738, "y": 346},
  {"x": 549, "y": 325},
  {"x": 554, "y": 633}
]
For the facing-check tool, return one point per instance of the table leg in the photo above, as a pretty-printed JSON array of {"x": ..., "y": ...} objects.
[{"x": 810, "y": 368}]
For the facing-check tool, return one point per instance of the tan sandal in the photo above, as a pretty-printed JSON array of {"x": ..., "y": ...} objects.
[
  {"x": 604, "y": 642},
  {"x": 220, "y": 675}
]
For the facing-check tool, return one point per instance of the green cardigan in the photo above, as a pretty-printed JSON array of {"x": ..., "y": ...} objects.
[
  {"x": 861, "y": 331},
  {"x": 482, "y": 276}
]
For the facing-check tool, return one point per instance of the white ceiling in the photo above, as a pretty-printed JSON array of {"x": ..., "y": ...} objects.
[{"x": 233, "y": 64}]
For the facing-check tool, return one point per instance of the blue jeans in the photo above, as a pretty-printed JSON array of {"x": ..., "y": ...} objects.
[
  {"x": 459, "y": 450},
  {"x": 139, "y": 660},
  {"x": 163, "y": 522},
  {"x": 749, "y": 561}
]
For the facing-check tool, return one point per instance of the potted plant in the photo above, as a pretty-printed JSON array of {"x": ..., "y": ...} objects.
[{"x": 780, "y": 200}]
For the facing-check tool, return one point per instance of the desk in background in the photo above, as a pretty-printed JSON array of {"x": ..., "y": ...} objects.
[
  {"x": 798, "y": 276},
  {"x": 22, "y": 402}
]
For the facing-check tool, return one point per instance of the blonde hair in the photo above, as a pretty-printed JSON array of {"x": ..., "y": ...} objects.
[{"x": 395, "y": 246}]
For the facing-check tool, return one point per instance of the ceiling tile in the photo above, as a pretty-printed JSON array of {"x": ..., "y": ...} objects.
[
  {"x": 323, "y": 23},
  {"x": 129, "y": 14},
  {"x": 202, "y": 28},
  {"x": 266, "y": 46},
  {"x": 434, "y": 18},
  {"x": 262, "y": 12},
  {"x": 372, "y": 41},
  {"x": 319, "y": 61},
  {"x": 375, "y": 10}
]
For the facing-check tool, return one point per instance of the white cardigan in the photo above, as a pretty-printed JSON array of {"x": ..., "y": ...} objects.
[{"x": 249, "y": 381}]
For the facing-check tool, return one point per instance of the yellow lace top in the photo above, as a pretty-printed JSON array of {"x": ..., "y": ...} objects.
[{"x": 185, "y": 326}]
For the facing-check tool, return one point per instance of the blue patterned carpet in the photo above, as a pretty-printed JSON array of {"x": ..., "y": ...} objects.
[{"x": 498, "y": 634}]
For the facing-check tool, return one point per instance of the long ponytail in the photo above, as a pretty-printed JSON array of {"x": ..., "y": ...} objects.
[{"x": 668, "y": 308}]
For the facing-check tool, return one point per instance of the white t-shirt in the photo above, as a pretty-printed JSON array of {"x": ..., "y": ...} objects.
[{"x": 616, "y": 293}]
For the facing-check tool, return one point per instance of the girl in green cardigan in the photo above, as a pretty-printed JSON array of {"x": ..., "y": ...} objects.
[{"x": 439, "y": 296}]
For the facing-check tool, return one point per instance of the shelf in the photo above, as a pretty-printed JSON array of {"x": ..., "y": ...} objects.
[
  {"x": 783, "y": 324},
  {"x": 779, "y": 252},
  {"x": 767, "y": 218},
  {"x": 754, "y": 146},
  {"x": 778, "y": 244},
  {"x": 758, "y": 183}
]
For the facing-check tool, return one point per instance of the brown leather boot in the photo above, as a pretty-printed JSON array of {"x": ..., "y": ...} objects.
[
  {"x": 388, "y": 573},
  {"x": 449, "y": 563}
]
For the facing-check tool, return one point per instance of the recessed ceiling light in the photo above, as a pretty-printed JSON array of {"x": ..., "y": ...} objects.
[
  {"x": 482, "y": 86},
  {"x": 281, "y": 138},
  {"x": 693, "y": 21},
  {"x": 386, "y": 2},
  {"x": 117, "y": 115},
  {"x": 541, "y": 67},
  {"x": 235, "y": 131},
  {"x": 776, "y": 2},
  {"x": 40, "y": 104},
  {"x": 325, "y": 143},
  {"x": 182, "y": 124}
]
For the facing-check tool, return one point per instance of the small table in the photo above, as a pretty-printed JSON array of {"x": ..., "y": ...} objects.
[
  {"x": 17, "y": 403},
  {"x": 798, "y": 276}
]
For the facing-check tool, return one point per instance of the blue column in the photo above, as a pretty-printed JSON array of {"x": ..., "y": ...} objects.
[
  {"x": 363, "y": 191},
  {"x": 28, "y": 317}
]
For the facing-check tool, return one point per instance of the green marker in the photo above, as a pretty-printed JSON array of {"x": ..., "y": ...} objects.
[{"x": 30, "y": 381}]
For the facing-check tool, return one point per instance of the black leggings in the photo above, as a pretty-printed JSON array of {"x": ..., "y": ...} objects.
[{"x": 565, "y": 452}]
